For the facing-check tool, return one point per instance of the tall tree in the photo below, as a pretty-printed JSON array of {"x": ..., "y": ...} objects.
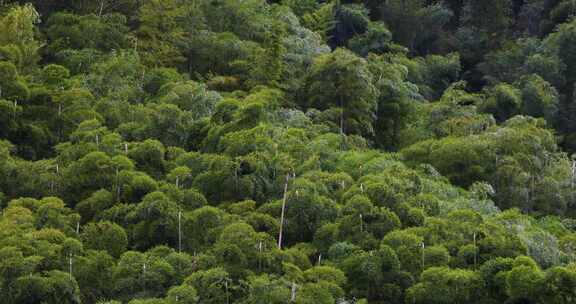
[{"x": 342, "y": 80}]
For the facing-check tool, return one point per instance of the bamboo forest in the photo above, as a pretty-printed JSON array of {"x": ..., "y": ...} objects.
[{"x": 287, "y": 151}]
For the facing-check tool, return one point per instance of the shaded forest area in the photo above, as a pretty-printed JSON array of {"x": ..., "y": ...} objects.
[{"x": 293, "y": 151}]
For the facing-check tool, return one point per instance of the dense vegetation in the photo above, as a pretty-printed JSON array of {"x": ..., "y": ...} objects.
[{"x": 294, "y": 151}]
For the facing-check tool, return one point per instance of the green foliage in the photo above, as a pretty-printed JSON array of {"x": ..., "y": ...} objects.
[
  {"x": 444, "y": 285},
  {"x": 19, "y": 36},
  {"x": 160, "y": 32},
  {"x": 342, "y": 80},
  {"x": 13, "y": 88},
  {"x": 294, "y": 151},
  {"x": 415, "y": 24},
  {"x": 103, "y": 33},
  {"x": 504, "y": 101},
  {"x": 105, "y": 236}
]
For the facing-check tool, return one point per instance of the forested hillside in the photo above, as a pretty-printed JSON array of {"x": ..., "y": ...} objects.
[{"x": 293, "y": 151}]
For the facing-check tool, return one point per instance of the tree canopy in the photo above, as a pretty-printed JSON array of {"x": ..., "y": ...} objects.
[{"x": 292, "y": 151}]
